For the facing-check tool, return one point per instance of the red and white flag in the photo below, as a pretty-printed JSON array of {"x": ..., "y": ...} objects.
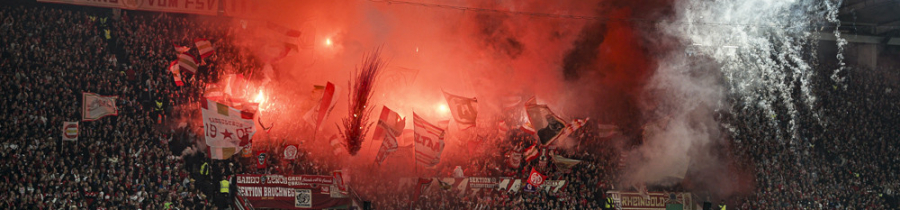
[
  {"x": 536, "y": 178},
  {"x": 205, "y": 47},
  {"x": 290, "y": 37},
  {"x": 70, "y": 131},
  {"x": 325, "y": 105},
  {"x": 225, "y": 126},
  {"x": 571, "y": 128},
  {"x": 533, "y": 152},
  {"x": 390, "y": 119},
  {"x": 464, "y": 110},
  {"x": 429, "y": 142},
  {"x": 338, "y": 181},
  {"x": 176, "y": 73},
  {"x": 214, "y": 92},
  {"x": 391, "y": 125},
  {"x": 187, "y": 62},
  {"x": 94, "y": 106},
  {"x": 290, "y": 152}
]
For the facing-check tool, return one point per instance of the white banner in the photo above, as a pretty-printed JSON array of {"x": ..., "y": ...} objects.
[
  {"x": 96, "y": 106},
  {"x": 225, "y": 126},
  {"x": 70, "y": 131},
  {"x": 429, "y": 142}
]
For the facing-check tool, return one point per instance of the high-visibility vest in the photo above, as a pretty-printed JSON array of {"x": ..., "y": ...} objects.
[
  {"x": 609, "y": 202},
  {"x": 721, "y": 206},
  {"x": 223, "y": 186},
  {"x": 108, "y": 35},
  {"x": 204, "y": 169},
  {"x": 159, "y": 105}
]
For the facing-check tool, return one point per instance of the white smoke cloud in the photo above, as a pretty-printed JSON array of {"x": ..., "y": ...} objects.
[{"x": 756, "y": 51}]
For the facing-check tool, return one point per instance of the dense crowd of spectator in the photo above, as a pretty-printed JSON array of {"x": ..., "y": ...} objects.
[
  {"x": 846, "y": 155},
  {"x": 845, "y": 159},
  {"x": 49, "y": 56}
]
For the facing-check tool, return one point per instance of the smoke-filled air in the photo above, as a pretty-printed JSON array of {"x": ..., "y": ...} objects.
[{"x": 667, "y": 76}]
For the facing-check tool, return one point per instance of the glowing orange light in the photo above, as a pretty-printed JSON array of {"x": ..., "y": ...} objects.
[
  {"x": 443, "y": 109},
  {"x": 328, "y": 42},
  {"x": 260, "y": 98}
]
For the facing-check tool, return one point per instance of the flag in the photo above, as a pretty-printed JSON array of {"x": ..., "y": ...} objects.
[
  {"x": 642, "y": 189},
  {"x": 570, "y": 128},
  {"x": 515, "y": 159},
  {"x": 532, "y": 153},
  {"x": 547, "y": 124},
  {"x": 70, "y": 131},
  {"x": 464, "y": 110},
  {"x": 225, "y": 126},
  {"x": 421, "y": 185},
  {"x": 95, "y": 106},
  {"x": 429, "y": 142},
  {"x": 214, "y": 92},
  {"x": 180, "y": 49},
  {"x": 234, "y": 86},
  {"x": 187, "y": 62},
  {"x": 316, "y": 115},
  {"x": 335, "y": 144},
  {"x": 290, "y": 152},
  {"x": 565, "y": 164},
  {"x": 527, "y": 128},
  {"x": 444, "y": 185},
  {"x": 390, "y": 119},
  {"x": 261, "y": 159},
  {"x": 176, "y": 73},
  {"x": 338, "y": 181},
  {"x": 536, "y": 178},
  {"x": 205, "y": 47},
  {"x": 221, "y": 153},
  {"x": 290, "y": 37},
  {"x": 391, "y": 131},
  {"x": 502, "y": 127}
]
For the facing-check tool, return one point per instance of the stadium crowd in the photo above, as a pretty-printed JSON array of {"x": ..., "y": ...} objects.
[{"x": 846, "y": 156}]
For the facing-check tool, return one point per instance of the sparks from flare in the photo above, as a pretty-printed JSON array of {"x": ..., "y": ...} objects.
[{"x": 260, "y": 98}]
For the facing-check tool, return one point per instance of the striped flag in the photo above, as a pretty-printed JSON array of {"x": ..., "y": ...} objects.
[
  {"x": 290, "y": 37},
  {"x": 187, "y": 62},
  {"x": 429, "y": 142},
  {"x": 214, "y": 92},
  {"x": 205, "y": 47},
  {"x": 176, "y": 73},
  {"x": 571, "y": 128},
  {"x": 532, "y": 153},
  {"x": 335, "y": 144}
]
